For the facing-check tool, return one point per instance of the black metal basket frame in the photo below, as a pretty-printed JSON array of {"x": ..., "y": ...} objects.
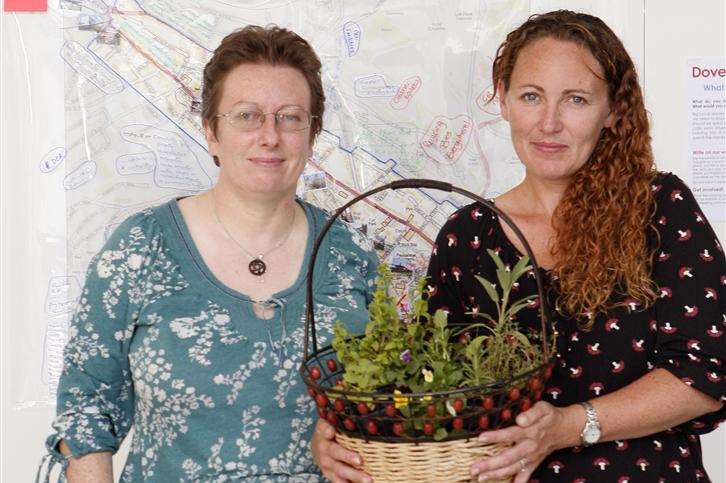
[{"x": 497, "y": 395}]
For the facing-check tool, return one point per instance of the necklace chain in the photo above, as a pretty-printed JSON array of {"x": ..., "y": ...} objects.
[{"x": 256, "y": 267}]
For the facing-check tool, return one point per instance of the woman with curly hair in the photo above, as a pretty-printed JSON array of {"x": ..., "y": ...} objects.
[{"x": 634, "y": 270}]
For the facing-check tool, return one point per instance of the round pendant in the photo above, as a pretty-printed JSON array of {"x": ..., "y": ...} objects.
[{"x": 257, "y": 267}]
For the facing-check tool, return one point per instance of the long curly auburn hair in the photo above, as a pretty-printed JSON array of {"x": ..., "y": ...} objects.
[{"x": 601, "y": 249}]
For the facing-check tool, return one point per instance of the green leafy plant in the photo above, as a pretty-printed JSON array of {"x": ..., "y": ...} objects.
[{"x": 420, "y": 353}]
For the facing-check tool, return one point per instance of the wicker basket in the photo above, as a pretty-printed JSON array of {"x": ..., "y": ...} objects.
[{"x": 371, "y": 424}]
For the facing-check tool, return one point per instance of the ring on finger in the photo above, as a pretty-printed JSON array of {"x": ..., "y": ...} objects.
[{"x": 523, "y": 464}]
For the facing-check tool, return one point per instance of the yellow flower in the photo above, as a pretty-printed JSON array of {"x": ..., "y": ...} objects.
[
  {"x": 399, "y": 401},
  {"x": 428, "y": 375}
]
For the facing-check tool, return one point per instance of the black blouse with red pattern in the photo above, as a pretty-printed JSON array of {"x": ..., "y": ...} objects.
[{"x": 683, "y": 332}]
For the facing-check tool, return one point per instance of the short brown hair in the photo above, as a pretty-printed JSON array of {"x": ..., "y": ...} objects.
[
  {"x": 610, "y": 194},
  {"x": 271, "y": 45}
]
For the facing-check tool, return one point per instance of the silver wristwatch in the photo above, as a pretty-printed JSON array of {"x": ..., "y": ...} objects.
[{"x": 591, "y": 432}]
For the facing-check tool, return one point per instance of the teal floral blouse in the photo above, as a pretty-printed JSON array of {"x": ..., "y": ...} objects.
[{"x": 160, "y": 345}]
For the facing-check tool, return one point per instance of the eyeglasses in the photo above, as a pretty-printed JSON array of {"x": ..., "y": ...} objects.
[{"x": 248, "y": 118}]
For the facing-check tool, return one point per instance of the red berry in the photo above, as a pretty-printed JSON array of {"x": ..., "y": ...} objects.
[
  {"x": 526, "y": 404},
  {"x": 514, "y": 394},
  {"x": 428, "y": 428},
  {"x": 538, "y": 395},
  {"x": 339, "y": 405},
  {"x": 332, "y": 419},
  {"x": 458, "y": 405},
  {"x": 315, "y": 373},
  {"x": 391, "y": 411},
  {"x": 483, "y": 422},
  {"x": 321, "y": 400},
  {"x": 323, "y": 413},
  {"x": 431, "y": 410},
  {"x": 398, "y": 428},
  {"x": 349, "y": 424},
  {"x": 506, "y": 414},
  {"x": 311, "y": 391},
  {"x": 332, "y": 365},
  {"x": 548, "y": 372},
  {"x": 535, "y": 384},
  {"x": 464, "y": 338},
  {"x": 487, "y": 403},
  {"x": 371, "y": 427},
  {"x": 458, "y": 423},
  {"x": 363, "y": 408}
]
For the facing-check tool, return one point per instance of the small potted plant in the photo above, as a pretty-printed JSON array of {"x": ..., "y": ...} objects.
[{"x": 412, "y": 393}]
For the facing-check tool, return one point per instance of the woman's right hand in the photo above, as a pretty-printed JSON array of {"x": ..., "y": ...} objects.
[{"x": 337, "y": 463}]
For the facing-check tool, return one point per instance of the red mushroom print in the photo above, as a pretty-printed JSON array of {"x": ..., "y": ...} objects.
[
  {"x": 454, "y": 215},
  {"x": 597, "y": 388},
  {"x": 663, "y": 256},
  {"x": 555, "y": 466},
  {"x": 705, "y": 256},
  {"x": 621, "y": 445},
  {"x": 718, "y": 362},
  {"x": 574, "y": 337},
  {"x": 624, "y": 479},
  {"x": 431, "y": 290},
  {"x": 684, "y": 272},
  {"x": 662, "y": 220},
  {"x": 667, "y": 328},
  {"x": 601, "y": 463},
  {"x": 475, "y": 243},
  {"x": 476, "y": 214},
  {"x": 690, "y": 311},
  {"x": 694, "y": 358},
  {"x": 653, "y": 325},
  {"x": 612, "y": 324},
  {"x": 693, "y": 344},
  {"x": 442, "y": 274},
  {"x": 713, "y": 377},
  {"x": 710, "y": 293},
  {"x": 658, "y": 446},
  {"x": 665, "y": 292},
  {"x": 631, "y": 304},
  {"x": 684, "y": 235},
  {"x": 714, "y": 332},
  {"x": 554, "y": 392},
  {"x": 700, "y": 474},
  {"x": 675, "y": 465},
  {"x": 456, "y": 273},
  {"x": 656, "y": 188},
  {"x": 676, "y": 195},
  {"x": 579, "y": 480},
  {"x": 533, "y": 304},
  {"x": 699, "y": 217},
  {"x": 575, "y": 372},
  {"x": 685, "y": 452},
  {"x": 687, "y": 381},
  {"x": 452, "y": 240},
  {"x": 637, "y": 345},
  {"x": 723, "y": 280},
  {"x": 593, "y": 349},
  {"x": 643, "y": 464},
  {"x": 618, "y": 366}
]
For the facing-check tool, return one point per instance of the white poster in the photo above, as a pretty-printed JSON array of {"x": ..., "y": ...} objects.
[{"x": 706, "y": 114}]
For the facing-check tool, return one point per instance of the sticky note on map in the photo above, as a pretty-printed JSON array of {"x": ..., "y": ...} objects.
[{"x": 25, "y": 5}]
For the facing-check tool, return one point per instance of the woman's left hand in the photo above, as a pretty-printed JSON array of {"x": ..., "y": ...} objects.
[{"x": 537, "y": 433}]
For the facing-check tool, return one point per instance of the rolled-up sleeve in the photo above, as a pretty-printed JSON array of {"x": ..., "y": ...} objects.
[{"x": 689, "y": 270}]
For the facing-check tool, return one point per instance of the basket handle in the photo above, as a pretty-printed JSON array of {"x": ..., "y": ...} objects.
[{"x": 431, "y": 184}]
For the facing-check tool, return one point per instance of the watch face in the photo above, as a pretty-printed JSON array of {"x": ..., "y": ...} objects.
[{"x": 591, "y": 434}]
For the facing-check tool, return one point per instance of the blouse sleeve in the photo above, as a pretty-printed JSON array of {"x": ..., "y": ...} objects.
[
  {"x": 95, "y": 394},
  {"x": 690, "y": 275}
]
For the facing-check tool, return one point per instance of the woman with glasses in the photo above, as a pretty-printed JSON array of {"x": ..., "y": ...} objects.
[{"x": 190, "y": 326}]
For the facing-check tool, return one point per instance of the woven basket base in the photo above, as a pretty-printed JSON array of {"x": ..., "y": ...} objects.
[{"x": 447, "y": 461}]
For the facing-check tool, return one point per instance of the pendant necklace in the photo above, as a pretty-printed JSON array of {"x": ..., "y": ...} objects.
[{"x": 257, "y": 266}]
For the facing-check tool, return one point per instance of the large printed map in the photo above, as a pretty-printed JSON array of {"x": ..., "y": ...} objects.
[{"x": 406, "y": 83}]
